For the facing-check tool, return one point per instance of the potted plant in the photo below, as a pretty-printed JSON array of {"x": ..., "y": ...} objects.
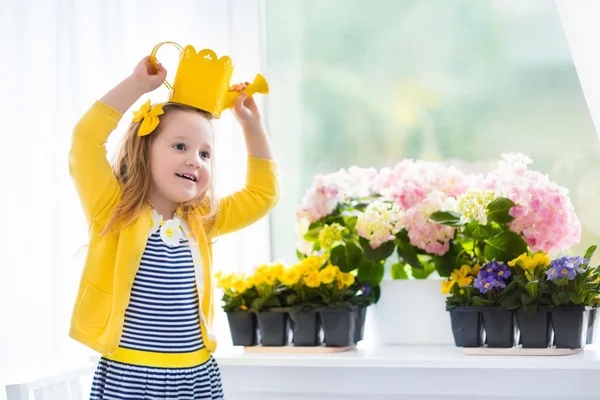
[
  {"x": 303, "y": 300},
  {"x": 238, "y": 295},
  {"x": 510, "y": 211},
  {"x": 338, "y": 314},
  {"x": 465, "y": 319},
  {"x": 573, "y": 286},
  {"x": 533, "y": 314},
  {"x": 482, "y": 237},
  {"x": 269, "y": 305}
]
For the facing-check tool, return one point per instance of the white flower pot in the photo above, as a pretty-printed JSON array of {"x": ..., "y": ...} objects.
[{"x": 411, "y": 312}]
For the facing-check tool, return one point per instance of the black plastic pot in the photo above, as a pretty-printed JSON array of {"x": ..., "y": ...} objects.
[
  {"x": 339, "y": 325},
  {"x": 467, "y": 326},
  {"x": 570, "y": 326},
  {"x": 242, "y": 326},
  {"x": 359, "y": 328},
  {"x": 274, "y": 327},
  {"x": 591, "y": 329},
  {"x": 535, "y": 329},
  {"x": 500, "y": 327},
  {"x": 306, "y": 328}
]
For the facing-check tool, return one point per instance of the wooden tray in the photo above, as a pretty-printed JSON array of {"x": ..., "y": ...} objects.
[
  {"x": 297, "y": 349},
  {"x": 518, "y": 351}
]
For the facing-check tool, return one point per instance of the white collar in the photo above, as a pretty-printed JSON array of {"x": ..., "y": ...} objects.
[{"x": 172, "y": 230}]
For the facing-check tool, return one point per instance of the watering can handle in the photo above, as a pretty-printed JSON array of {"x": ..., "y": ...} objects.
[{"x": 153, "y": 59}]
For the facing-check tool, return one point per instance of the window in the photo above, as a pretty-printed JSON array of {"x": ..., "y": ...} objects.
[{"x": 368, "y": 84}]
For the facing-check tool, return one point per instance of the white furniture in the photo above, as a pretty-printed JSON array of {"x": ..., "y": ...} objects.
[
  {"x": 60, "y": 384},
  {"x": 377, "y": 373}
]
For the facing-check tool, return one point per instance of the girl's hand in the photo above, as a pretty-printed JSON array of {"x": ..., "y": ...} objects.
[
  {"x": 146, "y": 78},
  {"x": 245, "y": 109}
]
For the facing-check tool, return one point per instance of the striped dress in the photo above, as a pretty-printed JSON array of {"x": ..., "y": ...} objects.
[{"x": 162, "y": 317}]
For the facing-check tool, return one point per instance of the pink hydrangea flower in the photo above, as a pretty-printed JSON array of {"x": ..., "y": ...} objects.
[
  {"x": 544, "y": 214},
  {"x": 430, "y": 236},
  {"x": 328, "y": 190},
  {"x": 410, "y": 182},
  {"x": 321, "y": 199}
]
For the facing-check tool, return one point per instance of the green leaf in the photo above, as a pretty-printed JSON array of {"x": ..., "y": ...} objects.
[
  {"x": 350, "y": 221},
  {"x": 505, "y": 246},
  {"x": 512, "y": 301},
  {"x": 312, "y": 234},
  {"x": 370, "y": 272},
  {"x": 338, "y": 257},
  {"x": 407, "y": 252},
  {"x": 448, "y": 262},
  {"x": 480, "y": 301},
  {"x": 590, "y": 252},
  {"x": 449, "y": 218},
  {"x": 316, "y": 224},
  {"x": 478, "y": 232},
  {"x": 353, "y": 255},
  {"x": 379, "y": 254},
  {"x": 498, "y": 210},
  {"x": 563, "y": 297},
  {"x": 423, "y": 273},
  {"x": 376, "y": 292},
  {"x": 398, "y": 271},
  {"x": 361, "y": 205},
  {"x": 300, "y": 255}
]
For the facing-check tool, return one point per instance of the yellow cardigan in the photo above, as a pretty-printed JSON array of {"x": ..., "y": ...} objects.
[{"x": 113, "y": 258}]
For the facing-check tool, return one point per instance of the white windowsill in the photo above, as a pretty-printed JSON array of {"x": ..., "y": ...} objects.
[{"x": 408, "y": 357}]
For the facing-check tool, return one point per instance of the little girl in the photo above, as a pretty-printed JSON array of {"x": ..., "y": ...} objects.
[{"x": 145, "y": 300}]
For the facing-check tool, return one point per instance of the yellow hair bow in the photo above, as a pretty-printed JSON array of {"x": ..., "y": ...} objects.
[{"x": 149, "y": 117}]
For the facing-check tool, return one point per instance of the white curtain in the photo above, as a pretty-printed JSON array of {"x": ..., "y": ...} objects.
[
  {"x": 580, "y": 20},
  {"x": 57, "y": 58}
]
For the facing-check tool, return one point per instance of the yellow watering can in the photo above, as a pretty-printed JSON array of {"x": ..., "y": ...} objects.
[{"x": 203, "y": 80}]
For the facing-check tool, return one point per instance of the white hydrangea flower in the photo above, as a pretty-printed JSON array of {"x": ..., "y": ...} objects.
[
  {"x": 473, "y": 205},
  {"x": 380, "y": 222}
]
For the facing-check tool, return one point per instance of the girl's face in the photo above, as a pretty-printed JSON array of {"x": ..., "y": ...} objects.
[{"x": 180, "y": 159}]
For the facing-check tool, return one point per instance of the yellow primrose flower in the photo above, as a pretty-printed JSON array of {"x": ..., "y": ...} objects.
[
  {"x": 313, "y": 263},
  {"x": 347, "y": 279},
  {"x": 465, "y": 281},
  {"x": 291, "y": 276},
  {"x": 541, "y": 259},
  {"x": 240, "y": 286},
  {"x": 530, "y": 264},
  {"x": 277, "y": 270},
  {"x": 313, "y": 279},
  {"x": 225, "y": 282},
  {"x": 446, "y": 286},
  {"x": 328, "y": 274},
  {"x": 256, "y": 279},
  {"x": 475, "y": 269},
  {"x": 513, "y": 262},
  {"x": 459, "y": 274},
  {"x": 269, "y": 278}
]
